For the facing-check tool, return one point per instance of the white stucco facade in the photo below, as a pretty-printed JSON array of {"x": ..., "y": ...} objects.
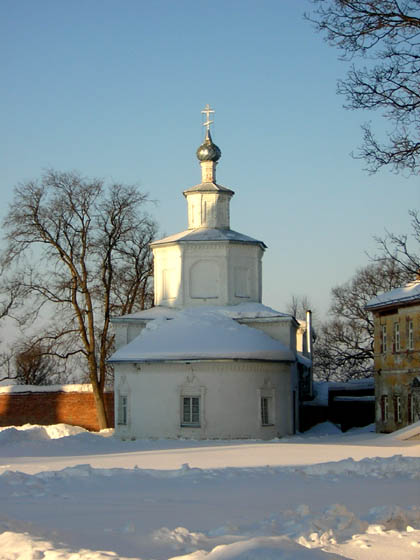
[
  {"x": 230, "y": 399},
  {"x": 209, "y": 360},
  {"x": 213, "y": 272}
]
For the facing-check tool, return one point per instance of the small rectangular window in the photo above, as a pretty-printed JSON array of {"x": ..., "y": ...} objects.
[
  {"x": 397, "y": 342},
  {"x": 190, "y": 411},
  {"x": 383, "y": 339},
  {"x": 266, "y": 412},
  {"x": 385, "y": 406},
  {"x": 398, "y": 409},
  {"x": 410, "y": 337},
  {"x": 411, "y": 410},
  {"x": 123, "y": 410}
]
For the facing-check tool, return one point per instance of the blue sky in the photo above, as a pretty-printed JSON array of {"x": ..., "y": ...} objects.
[{"x": 115, "y": 89}]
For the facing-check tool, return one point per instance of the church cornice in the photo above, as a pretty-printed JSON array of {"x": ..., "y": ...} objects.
[
  {"x": 209, "y": 188},
  {"x": 188, "y": 239},
  {"x": 202, "y": 360}
]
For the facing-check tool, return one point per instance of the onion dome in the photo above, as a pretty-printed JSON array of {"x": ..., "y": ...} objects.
[{"x": 208, "y": 151}]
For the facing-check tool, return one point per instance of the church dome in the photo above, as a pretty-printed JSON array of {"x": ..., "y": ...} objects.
[{"x": 208, "y": 151}]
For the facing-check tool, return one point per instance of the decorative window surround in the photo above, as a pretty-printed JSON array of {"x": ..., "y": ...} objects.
[{"x": 266, "y": 407}]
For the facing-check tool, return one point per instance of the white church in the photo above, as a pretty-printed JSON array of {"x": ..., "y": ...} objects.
[{"x": 209, "y": 360}]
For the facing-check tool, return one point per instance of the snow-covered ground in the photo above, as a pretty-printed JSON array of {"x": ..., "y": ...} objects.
[{"x": 67, "y": 494}]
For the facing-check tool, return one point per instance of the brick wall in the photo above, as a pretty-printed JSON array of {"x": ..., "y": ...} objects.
[{"x": 74, "y": 408}]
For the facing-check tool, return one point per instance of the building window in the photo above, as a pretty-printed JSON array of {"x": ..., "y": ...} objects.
[
  {"x": 398, "y": 409},
  {"x": 397, "y": 342},
  {"x": 413, "y": 415},
  {"x": 385, "y": 408},
  {"x": 383, "y": 339},
  {"x": 410, "y": 342},
  {"x": 123, "y": 410},
  {"x": 190, "y": 411},
  {"x": 266, "y": 411}
]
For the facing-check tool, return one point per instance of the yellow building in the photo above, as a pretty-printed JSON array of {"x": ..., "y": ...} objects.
[{"x": 397, "y": 357}]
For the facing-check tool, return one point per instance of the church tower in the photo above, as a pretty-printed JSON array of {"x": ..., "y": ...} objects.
[{"x": 207, "y": 264}]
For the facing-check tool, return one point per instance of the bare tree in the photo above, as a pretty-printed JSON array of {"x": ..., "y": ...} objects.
[
  {"x": 12, "y": 295},
  {"x": 385, "y": 34},
  {"x": 403, "y": 249},
  {"x": 34, "y": 365},
  {"x": 298, "y": 306},
  {"x": 90, "y": 246},
  {"x": 344, "y": 347}
]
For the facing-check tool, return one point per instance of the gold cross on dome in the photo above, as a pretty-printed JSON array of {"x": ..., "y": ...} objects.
[{"x": 207, "y": 111}]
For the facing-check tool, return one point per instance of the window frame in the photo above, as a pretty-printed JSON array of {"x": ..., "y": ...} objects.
[
  {"x": 122, "y": 410},
  {"x": 191, "y": 422},
  {"x": 384, "y": 341},
  {"x": 398, "y": 409},
  {"x": 385, "y": 408},
  {"x": 266, "y": 410},
  {"x": 397, "y": 337},
  {"x": 410, "y": 335}
]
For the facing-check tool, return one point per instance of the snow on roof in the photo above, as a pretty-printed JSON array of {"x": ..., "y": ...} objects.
[
  {"x": 409, "y": 292},
  {"x": 321, "y": 389},
  {"x": 209, "y": 234},
  {"x": 208, "y": 187},
  {"x": 250, "y": 310},
  {"x": 72, "y": 388},
  {"x": 201, "y": 333}
]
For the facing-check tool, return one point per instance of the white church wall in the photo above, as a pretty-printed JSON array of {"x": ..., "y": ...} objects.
[
  {"x": 205, "y": 274},
  {"x": 120, "y": 330},
  {"x": 204, "y": 279},
  {"x": 301, "y": 337},
  {"x": 208, "y": 273},
  {"x": 281, "y": 329},
  {"x": 230, "y": 396},
  {"x": 126, "y": 331},
  {"x": 208, "y": 209},
  {"x": 168, "y": 275},
  {"x": 245, "y": 282}
]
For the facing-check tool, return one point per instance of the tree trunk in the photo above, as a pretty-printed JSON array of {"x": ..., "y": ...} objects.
[{"x": 98, "y": 396}]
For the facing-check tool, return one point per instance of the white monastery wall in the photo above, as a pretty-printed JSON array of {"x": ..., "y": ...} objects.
[{"x": 230, "y": 399}]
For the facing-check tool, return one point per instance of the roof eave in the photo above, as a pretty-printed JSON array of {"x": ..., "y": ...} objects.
[
  {"x": 395, "y": 303},
  {"x": 233, "y": 241},
  {"x": 196, "y": 360}
]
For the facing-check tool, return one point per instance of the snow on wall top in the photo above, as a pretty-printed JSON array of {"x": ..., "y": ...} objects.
[
  {"x": 201, "y": 334},
  {"x": 240, "y": 311},
  {"x": 72, "y": 388},
  {"x": 321, "y": 389},
  {"x": 209, "y": 234},
  {"x": 409, "y": 292}
]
